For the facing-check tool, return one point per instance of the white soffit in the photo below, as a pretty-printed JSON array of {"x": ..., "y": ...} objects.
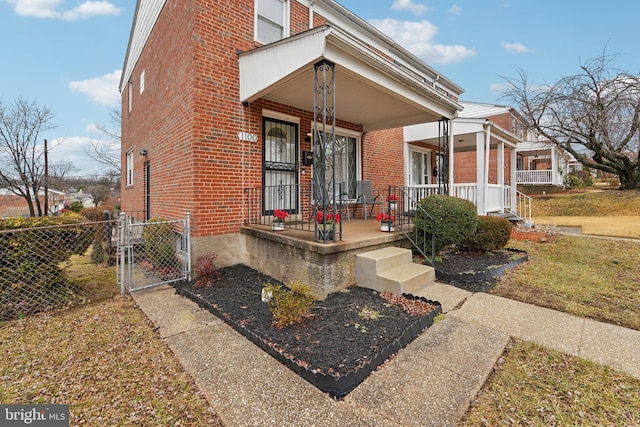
[{"x": 370, "y": 90}]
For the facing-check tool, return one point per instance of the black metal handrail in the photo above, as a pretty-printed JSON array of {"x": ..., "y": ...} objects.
[{"x": 403, "y": 204}]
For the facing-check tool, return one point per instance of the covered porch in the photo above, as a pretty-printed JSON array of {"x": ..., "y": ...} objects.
[
  {"x": 480, "y": 167},
  {"x": 540, "y": 164},
  {"x": 356, "y": 91}
]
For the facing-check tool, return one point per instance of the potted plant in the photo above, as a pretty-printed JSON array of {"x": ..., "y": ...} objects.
[
  {"x": 386, "y": 222},
  {"x": 393, "y": 201},
  {"x": 278, "y": 219},
  {"x": 326, "y": 224}
]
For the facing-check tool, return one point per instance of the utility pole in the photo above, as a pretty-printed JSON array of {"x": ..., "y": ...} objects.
[{"x": 46, "y": 180}]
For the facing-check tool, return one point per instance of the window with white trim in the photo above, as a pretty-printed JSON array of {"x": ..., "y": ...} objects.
[
  {"x": 130, "y": 167},
  {"x": 141, "y": 82},
  {"x": 271, "y": 20}
]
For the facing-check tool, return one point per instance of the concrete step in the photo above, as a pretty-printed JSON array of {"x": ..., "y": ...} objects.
[
  {"x": 392, "y": 269},
  {"x": 408, "y": 278}
]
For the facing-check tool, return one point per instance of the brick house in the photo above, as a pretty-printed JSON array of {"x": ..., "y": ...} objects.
[{"x": 219, "y": 98}]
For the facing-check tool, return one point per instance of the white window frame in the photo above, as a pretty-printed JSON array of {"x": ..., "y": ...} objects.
[
  {"x": 286, "y": 10},
  {"x": 129, "y": 162},
  {"x": 142, "y": 82}
]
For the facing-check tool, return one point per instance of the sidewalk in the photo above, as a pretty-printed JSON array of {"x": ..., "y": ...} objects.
[{"x": 429, "y": 383}]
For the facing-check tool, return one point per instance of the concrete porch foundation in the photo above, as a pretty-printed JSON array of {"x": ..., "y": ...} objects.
[{"x": 292, "y": 255}]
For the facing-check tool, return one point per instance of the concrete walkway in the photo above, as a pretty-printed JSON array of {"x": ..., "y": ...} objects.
[{"x": 429, "y": 383}]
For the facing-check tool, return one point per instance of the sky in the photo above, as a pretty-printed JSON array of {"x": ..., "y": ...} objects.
[{"x": 68, "y": 54}]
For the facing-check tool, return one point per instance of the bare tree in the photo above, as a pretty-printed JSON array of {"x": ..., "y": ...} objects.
[
  {"x": 101, "y": 151},
  {"x": 21, "y": 154},
  {"x": 594, "y": 115}
]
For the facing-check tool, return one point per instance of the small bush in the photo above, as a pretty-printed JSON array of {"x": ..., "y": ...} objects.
[
  {"x": 205, "y": 271},
  {"x": 77, "y": 207},
  {"x": 455, "y": 220},
  {"x": 492, "y": 233},
  {"x": 160, "y": 243},
  {"x": 288, "y": 306},
  {"x": 93, "y": 214},
  {"x": 578, "y": 179}
]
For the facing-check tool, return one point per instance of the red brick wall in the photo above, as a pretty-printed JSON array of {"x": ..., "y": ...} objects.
[
  {"x": 189, "y": 116},
  {"x": 465, "y": 169}
]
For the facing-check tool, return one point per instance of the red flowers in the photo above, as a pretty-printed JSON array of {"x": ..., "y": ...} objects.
[
  {"x": 392, "y": 198},
  {"x": 280, "y": 215},
  {"x": 386, "y": 218},
  {"x": 328, "y": 218}
]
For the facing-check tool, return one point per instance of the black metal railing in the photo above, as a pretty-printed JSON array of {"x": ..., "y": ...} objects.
[
  {"x": 403, "y": 208},
  {"x": 299, "y": 208}
]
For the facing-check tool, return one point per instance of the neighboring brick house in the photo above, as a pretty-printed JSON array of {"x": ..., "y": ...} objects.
[
  {"x": 483, "y": 153},
  {"x": 219, "y": 97},
  {"x": 12, "y": 205}
]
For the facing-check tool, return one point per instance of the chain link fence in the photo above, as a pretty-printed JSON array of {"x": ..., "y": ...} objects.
[
  {"x": 152, "y": 253},
  {"x": 36, "y": 262}
]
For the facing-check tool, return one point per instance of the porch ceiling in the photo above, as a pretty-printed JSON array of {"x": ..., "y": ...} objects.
[
  {"x": 465, "y": 132},
  {"x": 370, "y": 90}
]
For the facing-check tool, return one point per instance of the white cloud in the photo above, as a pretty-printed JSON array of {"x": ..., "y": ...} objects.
[
  {"x": 415, "y": 8},
  {"x": 499, "y": 88},
  {"x": 52, "y": 9},
  {"x": 455, "y": 10},
  {"x": 515, "y": 47},
  {"x": 73, "y": 149},
  {"x": 102, "y": 90},
  {"x": 417, "y": 37}
]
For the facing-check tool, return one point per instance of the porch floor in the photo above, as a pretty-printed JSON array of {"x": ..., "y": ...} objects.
[{"x": 356, "y": 233}]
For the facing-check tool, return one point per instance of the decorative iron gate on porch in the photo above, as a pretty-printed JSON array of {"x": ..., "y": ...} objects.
[{"x": 152, "y": 253}]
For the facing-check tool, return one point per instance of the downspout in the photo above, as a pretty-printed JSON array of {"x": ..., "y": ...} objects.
[{"x": 311, "y": 14}]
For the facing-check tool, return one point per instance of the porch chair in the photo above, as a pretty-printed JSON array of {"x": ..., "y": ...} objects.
[{"x": 365, "y": 197}]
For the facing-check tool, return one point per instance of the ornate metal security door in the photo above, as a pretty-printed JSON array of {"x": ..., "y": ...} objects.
[{"x": 280, "y": 166}]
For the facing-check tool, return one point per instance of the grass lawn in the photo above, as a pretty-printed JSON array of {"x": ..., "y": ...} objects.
[
  {"x": 534, "y": 386},
  {"x": 587, "y": 277}
]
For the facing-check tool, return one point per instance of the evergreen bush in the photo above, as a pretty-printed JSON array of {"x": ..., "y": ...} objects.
[
  {"x": 455, "y": 220},
  {"x": 492, "y": 233}
]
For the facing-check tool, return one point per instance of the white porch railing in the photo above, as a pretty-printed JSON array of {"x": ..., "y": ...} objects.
[
  {"x": 466, "y": 191},
  {"x": 534, "y": 177}
]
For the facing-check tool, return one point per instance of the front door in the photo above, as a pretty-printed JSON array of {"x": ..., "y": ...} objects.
[{"x": 280, "y": 166}]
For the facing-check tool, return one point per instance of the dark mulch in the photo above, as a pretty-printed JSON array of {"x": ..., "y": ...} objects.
[
  {"x": 339, "y": 335},
  {"x": 476, "y": 272}
]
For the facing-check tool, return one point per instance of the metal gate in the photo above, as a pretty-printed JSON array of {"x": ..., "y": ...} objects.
[{"x": 152, "y": 253}]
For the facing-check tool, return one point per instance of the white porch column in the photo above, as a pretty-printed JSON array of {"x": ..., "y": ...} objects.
[
  {"x": 514, "y": 176},
  {"x": 451, "y": 157},
  {"x": 501, "y": 173},
  {"x": 554, "y": 166},
  {"x": 487, "y": 155},
  {"x": 480, "y": 136}
]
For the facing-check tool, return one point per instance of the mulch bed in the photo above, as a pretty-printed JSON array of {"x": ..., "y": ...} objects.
[
  {"x": 477, "y": 272},
  {"x": 342, "y": 340}
]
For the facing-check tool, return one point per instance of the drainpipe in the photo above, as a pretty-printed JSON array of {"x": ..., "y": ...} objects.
[{"x": 311, "y": 14}]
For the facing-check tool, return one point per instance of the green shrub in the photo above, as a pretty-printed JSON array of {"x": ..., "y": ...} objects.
[
  {"x": 77, "y": 207},
  {"x": 455, "y": 220},
  {"x": 160, "y": 243},
  {"x": 578, "y": 179},
  {"x": 288, "y": 306},
  {"x": 492, "y": 233}
]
